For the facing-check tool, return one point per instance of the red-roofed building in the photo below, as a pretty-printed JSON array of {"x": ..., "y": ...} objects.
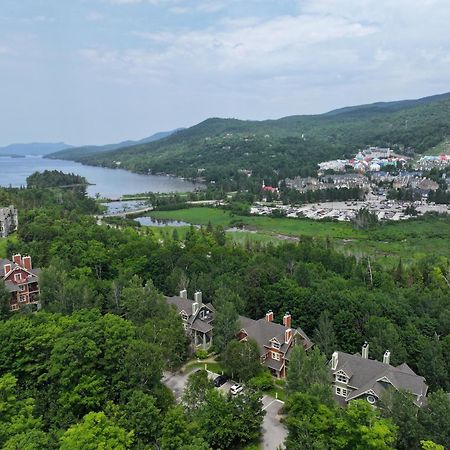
[{"x": 21, "y": 281}]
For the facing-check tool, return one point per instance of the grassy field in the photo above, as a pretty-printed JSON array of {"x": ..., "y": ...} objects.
[{"x": 430, "y": 236}]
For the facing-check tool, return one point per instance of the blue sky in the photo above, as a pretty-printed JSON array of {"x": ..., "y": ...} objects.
[{"x": 100, "y": 71}]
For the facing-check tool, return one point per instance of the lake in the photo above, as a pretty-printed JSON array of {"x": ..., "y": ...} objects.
[{"x": 111, "y": 183}]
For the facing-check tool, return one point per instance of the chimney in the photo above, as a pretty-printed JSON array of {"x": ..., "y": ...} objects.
[
  {"x": 287, "y": 336},
  {"x": 198, "y": 297},
  {"x": 17, "y": 259},
  {"x": 387, "y": 357},
  {"x": 334, "y": 361},
  {"x": 26, "y": 261},
  {"x": 365, "y": 350},
  {"x": 7, "y": 268},
  {"x": 183, "y": 294},
  {"x": 195, "y": 308},
  {"x": 269, "y": 316},
  {"x": 287, "y": 320}
]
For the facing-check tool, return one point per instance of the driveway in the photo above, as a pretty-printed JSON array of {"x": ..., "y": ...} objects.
[
  {"x": 274, "y": 432},
  {"x": 176, "y": 382}
]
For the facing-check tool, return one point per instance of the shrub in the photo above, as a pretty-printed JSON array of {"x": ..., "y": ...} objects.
[
  {"x": 201, "y": 353},
  {"x": 264, "y": 381}
]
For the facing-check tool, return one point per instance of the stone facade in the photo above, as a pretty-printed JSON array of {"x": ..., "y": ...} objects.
[{"x": 8, "y": 221}]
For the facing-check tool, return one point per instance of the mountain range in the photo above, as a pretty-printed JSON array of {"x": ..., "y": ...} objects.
[
  {"x": 89, "y": 150},
  {"x": 33, "y": 149},
  {"x": 60, "y": 148},
  {"x": 221, "y": 150}
]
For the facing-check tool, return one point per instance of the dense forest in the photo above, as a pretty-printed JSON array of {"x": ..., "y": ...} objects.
[
  {"x": 54, "y": 178},
  {"x": 217, "y": 149},
  {"x": 87, "y": 368}
]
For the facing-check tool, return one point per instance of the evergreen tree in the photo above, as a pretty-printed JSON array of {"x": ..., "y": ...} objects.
[
  {"x": 324, "y": 335},
  {"x": 309, "y": 374},
  {"x": 226, "y": 324},
  {"x": 399, "y": 406}
]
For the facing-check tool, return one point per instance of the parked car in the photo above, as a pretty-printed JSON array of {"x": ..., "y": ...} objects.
[
  {"x": 218, "y": 381},
  {"x": 235, "y": 389}
]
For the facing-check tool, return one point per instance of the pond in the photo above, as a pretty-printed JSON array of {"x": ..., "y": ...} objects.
[
  {"x": 124, "y": 206},
  {"x": 152, "y": 222}
]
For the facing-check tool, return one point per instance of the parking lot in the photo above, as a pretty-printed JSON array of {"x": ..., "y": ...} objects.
[{"x": 273, "y": 431}]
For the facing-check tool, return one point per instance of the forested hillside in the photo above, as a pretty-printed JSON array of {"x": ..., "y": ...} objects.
[
  {"x": 274, "y": 149},
  {"x": 90, "y": 150},
  {"x": 87, "y": 368}
]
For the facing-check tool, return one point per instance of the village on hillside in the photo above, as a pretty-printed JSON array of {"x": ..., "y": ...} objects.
[{"x": 390, "y": 186}]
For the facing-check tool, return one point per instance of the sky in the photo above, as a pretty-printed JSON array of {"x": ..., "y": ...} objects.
[{"x": 102, "y": 71}]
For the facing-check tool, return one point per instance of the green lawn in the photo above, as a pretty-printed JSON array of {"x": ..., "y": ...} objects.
[
  {"x": 290, "y": 227},
  {"x": 386, "y": 243},
  {"x": 198, "y": 216}
]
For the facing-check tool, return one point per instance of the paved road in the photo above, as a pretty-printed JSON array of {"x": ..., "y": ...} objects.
[
  {"x": 176, "y": 382},
  {"x": 274, "y": 432}
]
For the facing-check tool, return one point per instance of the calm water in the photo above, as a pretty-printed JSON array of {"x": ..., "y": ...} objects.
[
  {"x": 124, "y": 206},
  {"x": 111, "y": 183},
  {"x": 152, "y": 222}
]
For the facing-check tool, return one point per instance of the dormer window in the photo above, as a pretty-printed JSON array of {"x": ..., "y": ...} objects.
[
  {"x": 341, "y": 378},
  {"x": 276, "y": 356},
  {"x": 184, "y": 316},
  {"x": 342, "y": 392},
  {"x": 276, "y": 344}
]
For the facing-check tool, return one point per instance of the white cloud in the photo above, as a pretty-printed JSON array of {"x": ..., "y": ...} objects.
[
  {"x": 355, "y": 48},
  {"x": 249, "y": 44}
]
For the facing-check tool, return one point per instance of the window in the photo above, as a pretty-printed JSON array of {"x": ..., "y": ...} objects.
[
  {"x": 22, "y": 298},
  {"x": 276, "y": 356},
  {"x": 341, "y": 378},
  {"x": 276, "y": 345},
  {"x": 184, "y": 316},
  {"x": 17, "y": 276},
  {"x": 341, "y": 391},
  {"x": 371, "y": 399}
]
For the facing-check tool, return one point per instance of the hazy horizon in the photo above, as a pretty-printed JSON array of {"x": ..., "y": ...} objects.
[{"x": 106, "y": 71}]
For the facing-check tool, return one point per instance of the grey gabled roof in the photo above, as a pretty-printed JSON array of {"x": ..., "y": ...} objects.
[
  {"x": 194, "y": 321},
  {"x": 181, "y": 304},
  {"x": 368, "y": 374},
  {"x": 11, "y": 287},
  {"x": 274, "y": 364},
  {"x": 263, "y": 332},
  {"x": 201, "y": 325}
]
